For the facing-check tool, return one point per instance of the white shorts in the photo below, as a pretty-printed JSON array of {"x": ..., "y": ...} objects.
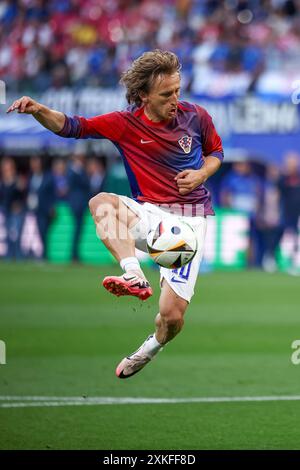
[{"x": 181, "y": 280}]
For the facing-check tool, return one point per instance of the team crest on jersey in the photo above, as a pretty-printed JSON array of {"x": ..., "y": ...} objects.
[{"x": 185, "y": 143}]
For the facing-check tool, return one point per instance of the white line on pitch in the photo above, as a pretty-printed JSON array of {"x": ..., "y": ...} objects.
[{"x": 43, "y": 401}]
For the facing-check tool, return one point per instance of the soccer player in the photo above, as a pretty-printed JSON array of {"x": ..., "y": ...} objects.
[{"x": 169, "y": 148}]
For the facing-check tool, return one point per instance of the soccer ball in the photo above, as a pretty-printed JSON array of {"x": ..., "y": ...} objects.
[{"x": 172, "y": 243}]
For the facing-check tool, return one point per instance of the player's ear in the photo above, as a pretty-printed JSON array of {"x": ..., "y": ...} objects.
[{"x": 144, "y": 97}]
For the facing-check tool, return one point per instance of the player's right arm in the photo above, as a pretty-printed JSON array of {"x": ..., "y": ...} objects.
[
  {"x": 49, "y": 118},
  {"x": 110, "y": 126}
]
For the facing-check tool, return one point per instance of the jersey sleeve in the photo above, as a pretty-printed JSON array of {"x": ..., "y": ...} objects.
[
  {"x": 107, "y": 126},
  {"x": 211, "y": 141}
]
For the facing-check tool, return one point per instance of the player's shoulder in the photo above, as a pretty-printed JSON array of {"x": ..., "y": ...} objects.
[
  {"x": 130, "y": 112},
  {"x": 186, "y": 106},
  {"x": 130, "y": 109}
]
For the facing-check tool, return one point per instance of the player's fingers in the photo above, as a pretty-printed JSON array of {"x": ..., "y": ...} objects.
[
  {"x": 182, "y": 174},
  {"x": 14, "y": 106},
  {"x": 184, "y": 191},
  {"x": 181, "y": 179},
  {"x": 183, "y": 182},
  {"x": 184, "y": 185},
  {"x": 24, "y": 103}
]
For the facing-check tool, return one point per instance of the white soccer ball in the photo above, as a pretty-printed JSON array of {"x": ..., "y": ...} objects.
[{"x": 172, "y": 243}]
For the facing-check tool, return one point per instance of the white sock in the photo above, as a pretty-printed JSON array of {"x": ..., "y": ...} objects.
[
  {"x": 151, "y": 346},
  {"x": 130, "y": 264}
]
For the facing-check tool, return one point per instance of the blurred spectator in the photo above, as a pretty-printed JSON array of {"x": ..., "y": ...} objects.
[
  {"x": 12, "y": 203},
  {"x": 241, "y": 190},
  {"x": 270, "y": 218},
  {"x": 59, "y": 171},
  {"x": 289, "y": 186},
  {"x": 41, "y": 198},
  {"x": 78, "y": 196},
  {"x": 96, "y": 174}
]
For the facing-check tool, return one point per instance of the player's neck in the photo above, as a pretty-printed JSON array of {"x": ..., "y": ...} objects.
[{"x": 153, "y": 117}]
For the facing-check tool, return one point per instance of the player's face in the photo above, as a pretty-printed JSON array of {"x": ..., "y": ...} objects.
[{"x": 162, "y": 100}]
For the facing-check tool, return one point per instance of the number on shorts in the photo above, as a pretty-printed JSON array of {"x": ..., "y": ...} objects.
[{"x": 184, "y": 271}]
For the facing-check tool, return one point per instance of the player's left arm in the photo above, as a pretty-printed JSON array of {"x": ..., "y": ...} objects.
[{"x": 188, "y": 180}]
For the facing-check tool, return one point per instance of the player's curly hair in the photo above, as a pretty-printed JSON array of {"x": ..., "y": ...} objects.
[{"x": 145, "y": 69}]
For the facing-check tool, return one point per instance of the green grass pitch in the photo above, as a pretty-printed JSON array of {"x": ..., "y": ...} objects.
[{"x": 65, "y": 334}]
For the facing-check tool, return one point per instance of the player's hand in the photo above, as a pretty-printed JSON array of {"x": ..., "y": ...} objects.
[
  {"x": 188, "y": 180},
  {"x": 24, "y": 105}
]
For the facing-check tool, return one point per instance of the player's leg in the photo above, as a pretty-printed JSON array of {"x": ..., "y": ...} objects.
[
  {"x": 169, "y": 322},
  {"x": 170, "y": 319},
  {"x": 114, "y": 221},
  {"x": 177, "y": 291}
]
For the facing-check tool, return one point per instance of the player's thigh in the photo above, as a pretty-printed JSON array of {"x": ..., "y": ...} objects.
[
  {"x": 140, "y": 225},
  {"x": 125, "y": 209},
  {"x": 182, "y": 280},
  {"x": 111, "y": 206}
]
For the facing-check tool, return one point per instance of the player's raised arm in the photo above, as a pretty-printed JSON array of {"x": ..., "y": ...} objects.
[{"x": 49, "y": 118}]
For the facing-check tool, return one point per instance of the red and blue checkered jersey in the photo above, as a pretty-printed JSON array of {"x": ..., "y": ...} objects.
[{"x": 155, "y": 152}]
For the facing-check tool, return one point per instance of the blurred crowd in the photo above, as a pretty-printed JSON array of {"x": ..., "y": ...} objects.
[
  {"x": 270, "y": 199},
  {"x": 226, "y": 47},
  {"x": 38, "y": 191},
  {"x": 272, "y": 203}
]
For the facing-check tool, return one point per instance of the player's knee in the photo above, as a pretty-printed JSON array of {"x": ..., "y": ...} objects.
[{"x": 102, "y": 201}]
